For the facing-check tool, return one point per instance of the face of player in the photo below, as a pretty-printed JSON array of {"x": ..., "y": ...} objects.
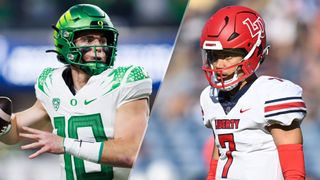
[
  {"x": 96, "y": 40},
  {"x": 224, "y": 64}
]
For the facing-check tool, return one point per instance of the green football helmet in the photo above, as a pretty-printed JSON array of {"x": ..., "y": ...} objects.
[{"x": 84, "y": 17}]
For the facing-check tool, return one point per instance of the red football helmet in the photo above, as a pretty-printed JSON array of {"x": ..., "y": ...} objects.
[{"x": 236, "y": 30}]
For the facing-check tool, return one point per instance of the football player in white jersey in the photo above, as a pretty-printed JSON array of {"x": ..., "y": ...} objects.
[
  {"x": 255, "y": 120},
  {"x": 96, "y": 114}
]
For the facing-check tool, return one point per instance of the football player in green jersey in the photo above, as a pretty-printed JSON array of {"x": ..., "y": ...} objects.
[{"x": 90, "y": 112}]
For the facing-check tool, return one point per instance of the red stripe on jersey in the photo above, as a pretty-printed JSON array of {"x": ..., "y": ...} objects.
[{"x": 285, "y": 106}]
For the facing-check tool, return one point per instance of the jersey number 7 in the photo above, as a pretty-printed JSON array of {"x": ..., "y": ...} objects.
[{"x": 223, "y": 139}]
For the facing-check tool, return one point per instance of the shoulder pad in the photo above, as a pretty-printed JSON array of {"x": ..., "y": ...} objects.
[
  {"x": 118, "y": 75},
  {"x": 136, "y": 74},
  {"x": 126, "y": 75},
  {"x": 42, "y": 79}
]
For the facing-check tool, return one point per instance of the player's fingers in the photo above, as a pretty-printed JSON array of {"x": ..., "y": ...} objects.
[
  {"x": 39, "y": 152},
  {"x": 29, "y": 136},
  {"x": 31, "y": 130},
  {"x": 31, "y": 146},
  {"x": 13, "y": 116}
]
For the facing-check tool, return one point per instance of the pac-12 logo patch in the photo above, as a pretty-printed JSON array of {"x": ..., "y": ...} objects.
[{"x": 56, "y": 103}]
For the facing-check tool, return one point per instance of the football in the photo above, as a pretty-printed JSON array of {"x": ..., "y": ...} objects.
[{"x": 5, "y": 114}]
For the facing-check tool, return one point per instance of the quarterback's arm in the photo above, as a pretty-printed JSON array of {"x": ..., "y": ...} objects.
[
  {"x": 288, "y": 140},
  {"x": 36, "y": 116},
  {"x": 213, "y": 164},
  {"x": 286, "y": 134},
  {"x": 130, "y": 125}
]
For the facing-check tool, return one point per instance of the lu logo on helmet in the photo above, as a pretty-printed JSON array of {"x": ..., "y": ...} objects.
[{"x": 255, "y": 27}]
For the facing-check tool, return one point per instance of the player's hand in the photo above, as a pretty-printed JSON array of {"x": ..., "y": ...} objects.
[
  {"x": 5, "y": 115},
  {"x": 45, "y": 142}
]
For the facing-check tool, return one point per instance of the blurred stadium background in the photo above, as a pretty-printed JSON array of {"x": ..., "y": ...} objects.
[
  {"x": 176, "y": 144},
  {"x": 147, "y": 33}
]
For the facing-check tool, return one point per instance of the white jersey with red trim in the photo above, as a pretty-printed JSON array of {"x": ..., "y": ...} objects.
[{"x": 247, "y": 150}]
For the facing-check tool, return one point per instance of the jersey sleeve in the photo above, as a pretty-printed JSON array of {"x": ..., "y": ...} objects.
[
  {"x": 204, "y": 110},
  {"x": 137, "y": 85},
  {"x": 284, "y": 104}
]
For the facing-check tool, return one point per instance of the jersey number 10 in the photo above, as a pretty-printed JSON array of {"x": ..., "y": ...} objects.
[{"x": 95, "y": 123}]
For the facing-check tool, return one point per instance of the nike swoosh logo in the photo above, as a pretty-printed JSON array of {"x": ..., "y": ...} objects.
[
  {"x": 86, "y": 102},
  {"x": 244, "y": 110}
]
